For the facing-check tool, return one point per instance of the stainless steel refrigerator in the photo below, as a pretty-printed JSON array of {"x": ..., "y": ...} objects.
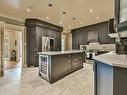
[{"x": 47, "y": 43}]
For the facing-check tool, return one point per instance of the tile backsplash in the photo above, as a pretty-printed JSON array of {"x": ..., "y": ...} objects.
[{"x": 97, "y": 46}]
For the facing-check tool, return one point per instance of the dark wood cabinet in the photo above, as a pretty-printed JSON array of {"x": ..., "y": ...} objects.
[
  {"x": 35, "y": 30},
  {"x": 58, "y": 69},
  {"x": 75, "y": 44},
  {"x": 60, "y": 65},
  {"x": 68, "y": 63},
  {"x": 80, "y": 35},
  {"x": 77, "y": 60},
  {"x": 111, "y": 28}
]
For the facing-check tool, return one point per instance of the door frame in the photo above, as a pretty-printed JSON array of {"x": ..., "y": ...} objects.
[
  {"x": 2, "y": 28},
  {"x": 24, "y": 60}
]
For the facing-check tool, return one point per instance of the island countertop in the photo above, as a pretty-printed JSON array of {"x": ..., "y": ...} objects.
[
  {"x": 113, "y": 59},
  {"x": 59, "y": 52}
]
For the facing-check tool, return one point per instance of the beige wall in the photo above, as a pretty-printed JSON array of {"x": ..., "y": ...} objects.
[{"x": 68, "y": 41}]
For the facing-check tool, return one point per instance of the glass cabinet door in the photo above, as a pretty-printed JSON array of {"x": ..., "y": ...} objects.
[{"x": 123, "y": 11}]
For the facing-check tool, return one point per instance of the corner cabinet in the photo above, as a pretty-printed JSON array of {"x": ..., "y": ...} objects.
[{"x": 35, "y": 30}]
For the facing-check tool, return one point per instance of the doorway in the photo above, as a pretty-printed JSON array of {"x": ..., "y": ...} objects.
[{"x": 12, "y": 49}]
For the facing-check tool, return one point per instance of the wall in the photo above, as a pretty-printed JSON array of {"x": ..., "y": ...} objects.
[{"x": 68, "y": 41}]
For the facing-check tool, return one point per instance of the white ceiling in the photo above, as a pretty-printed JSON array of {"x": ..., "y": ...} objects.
[{"x": 79, "y": 9}]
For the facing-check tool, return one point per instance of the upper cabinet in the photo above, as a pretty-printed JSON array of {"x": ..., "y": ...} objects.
[
  {"x": 121, "y": 15},
  {"x": 93, "y": 33},
  {"x": 35, "y": 30}
]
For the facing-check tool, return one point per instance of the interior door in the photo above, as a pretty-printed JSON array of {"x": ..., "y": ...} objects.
[{"x": 2, "y": 28}]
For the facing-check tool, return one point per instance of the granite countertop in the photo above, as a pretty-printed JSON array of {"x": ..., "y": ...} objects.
[
  {"x": 113, "y": 59},
  {"x": 59, "y": 52}
]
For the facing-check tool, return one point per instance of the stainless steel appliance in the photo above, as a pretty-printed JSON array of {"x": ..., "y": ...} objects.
[{"x": 47, "y": 43}]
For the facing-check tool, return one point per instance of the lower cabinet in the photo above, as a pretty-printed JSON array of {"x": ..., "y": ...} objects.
[
  {"x": 68, "y": 63},
  {"x": 77, "y": 61},
  {"x": 55, "y": 67},
  {"x": 62, "y": 65},
  {"x": 58, "y": 69}
]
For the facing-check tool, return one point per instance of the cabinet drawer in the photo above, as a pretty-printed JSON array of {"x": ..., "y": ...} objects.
[
  {"x": 78, "y": 55},
  {"x": 76, "y": 65}
]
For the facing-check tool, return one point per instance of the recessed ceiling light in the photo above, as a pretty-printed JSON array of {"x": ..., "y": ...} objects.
[
  {"x": 60, "y": 22},
  {"x": 28, "y": 10},
  {"x": 73, "y": 18},
  {"x": 81, "y": 22},
  {"x": 47, "y": 17},
  {"x": 91, "y": 10},
  {"x": 50, "y": 5},
  {"x": 97, "y": 18},
  {"x": 63, "y": 12},
  {"x": 69, "y": 26}
]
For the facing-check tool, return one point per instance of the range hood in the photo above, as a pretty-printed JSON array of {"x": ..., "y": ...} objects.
[{"x": 113, "y": 35}]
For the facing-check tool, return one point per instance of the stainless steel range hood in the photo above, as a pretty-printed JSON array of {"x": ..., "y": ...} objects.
[{"x": 113, "y": 35}]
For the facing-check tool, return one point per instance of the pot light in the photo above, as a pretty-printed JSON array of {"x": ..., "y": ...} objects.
[
  {"x": 30, "y": 8},
  {"x": 69, "y": 26},
  {"x": 97, "y": 18},
  {"x": 47, "y": 17},
  {"x": 60, "y": 22},
  {"x": 91, "y": 11},
  {"x": 63, "y": 12},
  {"x": 81, "y": 22}
]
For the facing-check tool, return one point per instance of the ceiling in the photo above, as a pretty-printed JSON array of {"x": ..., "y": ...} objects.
[{"x": 85, "y": 12}]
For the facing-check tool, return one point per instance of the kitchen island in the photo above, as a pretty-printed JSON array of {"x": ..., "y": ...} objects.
[
  {"x": 54, "y": 65},
  {"x": 110, "y": 72}
]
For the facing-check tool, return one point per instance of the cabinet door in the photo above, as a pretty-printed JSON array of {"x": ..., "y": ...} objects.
[
  {"x": 41, "y": 31},
  {"x": 58, "y": 69},
  {"x": 57, "y": 44},
  {"x": 77, "y": 61},
  {"x": 50, "y": 33},
  {"x": 75, "y": 40},
  {"x": 67, "y": 60},
  {"x": 32, "y": 48}
]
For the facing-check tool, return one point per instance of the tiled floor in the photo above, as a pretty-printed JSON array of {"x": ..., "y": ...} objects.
[
  {"x": 29, "y": 83},
  {"x": 12, "y": 64}
]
